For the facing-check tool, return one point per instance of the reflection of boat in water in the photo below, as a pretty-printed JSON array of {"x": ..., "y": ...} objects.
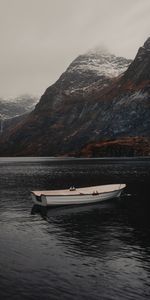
[{"x": 73, "y": 196}]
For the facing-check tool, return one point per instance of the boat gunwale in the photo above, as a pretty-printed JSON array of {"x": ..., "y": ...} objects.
[{"x": 75, "y": 195}]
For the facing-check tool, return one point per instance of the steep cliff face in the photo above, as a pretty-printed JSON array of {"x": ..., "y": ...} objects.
[
  {"x": 92, "y": 102},
  {"x": 138, "y": 73}
]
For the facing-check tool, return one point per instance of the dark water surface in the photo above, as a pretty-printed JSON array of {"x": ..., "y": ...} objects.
[{"x": 88, "y": 252}]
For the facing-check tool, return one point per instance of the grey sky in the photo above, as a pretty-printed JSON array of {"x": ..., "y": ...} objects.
[{"x": 39, "y": 38}]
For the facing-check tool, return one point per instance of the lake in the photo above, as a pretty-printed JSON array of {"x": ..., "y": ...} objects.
[{"x": 92, "y": 252}]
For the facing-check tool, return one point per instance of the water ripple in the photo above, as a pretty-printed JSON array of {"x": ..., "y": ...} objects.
[{"x": 94, "y": 252}]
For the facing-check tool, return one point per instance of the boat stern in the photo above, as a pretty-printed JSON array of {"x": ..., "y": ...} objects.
[{"x": 38, "y": 199}]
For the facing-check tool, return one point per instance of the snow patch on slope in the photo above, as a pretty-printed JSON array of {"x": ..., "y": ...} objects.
[{"x": 101, "y": 63}]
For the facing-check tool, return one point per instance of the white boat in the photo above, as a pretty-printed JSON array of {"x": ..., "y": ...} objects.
[{"x": 76, "y": 196}]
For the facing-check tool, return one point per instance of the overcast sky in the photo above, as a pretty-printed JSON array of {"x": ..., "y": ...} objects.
[{"x": 40, "y": 38}]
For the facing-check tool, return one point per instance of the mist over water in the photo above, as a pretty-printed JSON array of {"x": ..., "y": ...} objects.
[{"x": 99, "y": 251}]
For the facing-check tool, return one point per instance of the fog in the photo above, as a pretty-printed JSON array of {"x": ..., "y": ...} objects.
[{"x": 40, "y": 38}]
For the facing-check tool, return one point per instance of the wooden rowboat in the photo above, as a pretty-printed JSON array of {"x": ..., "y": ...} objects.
[{"x": 76, "y": 196}]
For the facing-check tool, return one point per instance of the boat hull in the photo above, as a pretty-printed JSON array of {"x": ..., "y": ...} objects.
[{"x": 57, "y": 200}]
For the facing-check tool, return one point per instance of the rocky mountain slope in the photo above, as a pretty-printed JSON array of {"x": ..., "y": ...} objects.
[
  {"x": 95, "y": 69},
  {"x": 129, "y": 125},
  {"x": 94, "y": 107}
]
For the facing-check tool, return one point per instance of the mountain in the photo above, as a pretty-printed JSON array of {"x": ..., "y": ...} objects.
[
  {"x": 14, "y": 110},
  {"x": 128, "y": 128},
  {"x": 10, "y": 108},
  {"x": 95, "y": 69},
  {"x": 96, "y": 108},
  {"x": 138, "y": 74}
]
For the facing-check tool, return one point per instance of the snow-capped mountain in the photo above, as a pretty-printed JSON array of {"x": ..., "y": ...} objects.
[
  {"x": 95, "y": 65},
  {"x": 93, "y": 70},
  {"x": 92, "y": 110},
  {"x": 100, "y": 62},
  {"x": 10, "y": 108}
]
